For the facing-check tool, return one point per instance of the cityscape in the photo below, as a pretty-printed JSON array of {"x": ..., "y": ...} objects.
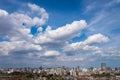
[
  {"x": 61, "y": 73},
  {"x": 59, "y": 39}
]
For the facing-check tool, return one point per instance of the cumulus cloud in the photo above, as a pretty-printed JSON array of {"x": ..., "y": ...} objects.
[
  {"x": 12, "y": 23},
  {"x": 51, "y": 53},
  {"x": 7, "y": 47},
  {"x": 3, "y": 13},
  {"x": 41, "y": 12},
  {"x": 86, "y": 45},
  {"x": 110, "y": 51},
  {"x": 62, "y": 33},
  {"x": 96, "y": 38},
  {"x": 18, "y": 31},
  {"x": 17, "y": 27}
]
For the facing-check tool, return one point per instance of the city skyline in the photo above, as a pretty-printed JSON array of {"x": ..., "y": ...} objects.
[{"x": 59, "y": 33}]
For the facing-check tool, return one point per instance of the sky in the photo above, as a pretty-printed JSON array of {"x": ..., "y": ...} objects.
[{"x": 54, "y": 33}]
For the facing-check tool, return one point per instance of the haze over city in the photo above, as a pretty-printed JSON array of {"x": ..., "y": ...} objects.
[{"x": 55, "y": 33}]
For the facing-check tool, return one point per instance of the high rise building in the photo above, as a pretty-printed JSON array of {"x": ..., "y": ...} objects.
[{"x": 103, "y": 66}]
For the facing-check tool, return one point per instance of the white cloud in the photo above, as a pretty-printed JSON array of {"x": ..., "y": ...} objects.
[
  {"x": 112, "y": 2},
  {"x": 70, "y": 58},
  {"x": 21, "y": 39},
  {"x": 110, "y": 51},
  {"x": 90, "y": 7},
  {"x": 3, "y": 13},
  {"x": 40, "y": 11},
  {"x": 98, "y": 18},
  {"x": 96, "y": 38},
  {"x": 70, "y": 30},
  {"x": 86, "y": 45},
  {"x": 79, "y": 59},
  {"x": 8, "y": 47},
  {"x": 51, "y": 53},
  {"x": 11, "y": 27},
  {"x": 62, "y": 33},
  {"x": 80, "y": 46},
  {"x": 16, "y": 20}
]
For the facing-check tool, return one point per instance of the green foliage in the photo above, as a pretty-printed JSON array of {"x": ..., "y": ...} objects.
[
  {"x": 118, "y": 74},
  {"x": 101, "y": 75},
  {"x": 29, "y": 75},
  {"x": 17, "y": 73}
]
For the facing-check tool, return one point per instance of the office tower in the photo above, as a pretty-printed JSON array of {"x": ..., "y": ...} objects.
[{"x": 103, "y": 66}]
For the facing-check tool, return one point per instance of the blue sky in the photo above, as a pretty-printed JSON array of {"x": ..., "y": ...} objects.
[{"x": 59, "y": 33}]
